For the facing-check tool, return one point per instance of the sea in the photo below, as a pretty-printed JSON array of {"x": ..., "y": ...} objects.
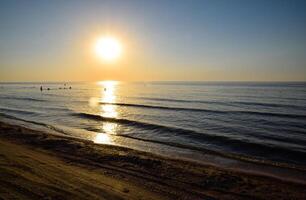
[{"x": 262, "y": 122}]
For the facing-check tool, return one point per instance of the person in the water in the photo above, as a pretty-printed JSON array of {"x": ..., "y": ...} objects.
[{"x": 41, "y": 88}]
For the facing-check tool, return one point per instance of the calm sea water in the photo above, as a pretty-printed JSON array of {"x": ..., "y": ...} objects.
[{"x": 260, "y": 121}]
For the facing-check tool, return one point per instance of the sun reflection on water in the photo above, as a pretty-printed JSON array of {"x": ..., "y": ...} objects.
[
  {"x": 109, "y": 111},
  {"x": 109, "y": 128},
  {"x": 108, "y": 95},
  {"x": 103, "y": 138},
  {"x": 108, "y": 89}
]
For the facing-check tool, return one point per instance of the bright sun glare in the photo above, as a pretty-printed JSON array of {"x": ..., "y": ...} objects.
[{"x": 108, "y": 48}]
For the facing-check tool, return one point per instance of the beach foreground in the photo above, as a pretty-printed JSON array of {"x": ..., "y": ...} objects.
[{"x": 38, "y": 165}]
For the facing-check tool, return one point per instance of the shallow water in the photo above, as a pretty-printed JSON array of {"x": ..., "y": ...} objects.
[{"x": 260, "y": 121}]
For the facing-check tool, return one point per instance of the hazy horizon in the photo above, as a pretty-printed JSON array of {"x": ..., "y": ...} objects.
[
  {"x": 156, "y": 82},
  {"x": 45, "y": 41}
]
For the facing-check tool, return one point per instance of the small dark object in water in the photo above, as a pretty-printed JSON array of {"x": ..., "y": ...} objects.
[
  {"x": 41, "y": 88},
  {"x": 48, "y": 88},
  {"x": 60, "y": 88},
  {"x": 70, "y": 88},
  {"x": 104, "y": 89}
]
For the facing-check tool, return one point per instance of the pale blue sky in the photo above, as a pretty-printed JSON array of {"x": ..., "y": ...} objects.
[{"x": 170, "y": 40}]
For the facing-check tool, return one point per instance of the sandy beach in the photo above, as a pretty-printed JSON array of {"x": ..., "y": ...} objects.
[{"x": 38, "y": 165}]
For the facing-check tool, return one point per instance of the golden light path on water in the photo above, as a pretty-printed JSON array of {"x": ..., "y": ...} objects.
[{"x": 108, "y": 95}]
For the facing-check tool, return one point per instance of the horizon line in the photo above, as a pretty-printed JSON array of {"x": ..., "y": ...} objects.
[{"x": 160, "y": 81}]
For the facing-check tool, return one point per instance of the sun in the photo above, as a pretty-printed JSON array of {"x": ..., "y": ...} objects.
[{"x": 108, "y": 48}]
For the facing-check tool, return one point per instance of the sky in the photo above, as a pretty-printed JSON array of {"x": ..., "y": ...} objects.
[{"x": 172, "y": 40}]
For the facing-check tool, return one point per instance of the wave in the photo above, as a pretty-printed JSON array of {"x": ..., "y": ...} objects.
[
  {"x": 49, "y": 108},
  {"x": 259, "y": 150},
  {"x": 177, "y": 100},
  {"x": 267, "y": 114},
  {"x": 238, "y": 145},
  {"x": 58, "y": 130},
  {"x": 23, "y": 98},
  {"x": 238, "y": 156},
  {"x": 18, "y": 111},
  {"x": 229, "y": 103},
  {"x": 274, "y": 105}
]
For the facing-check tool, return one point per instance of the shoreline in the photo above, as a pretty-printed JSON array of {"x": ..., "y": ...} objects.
[
  {"x": 231, "y": 162},
  {"x": 140, "y": 175}
]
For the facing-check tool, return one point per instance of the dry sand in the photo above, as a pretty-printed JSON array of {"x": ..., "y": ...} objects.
[{"x": 38, "y": 165}]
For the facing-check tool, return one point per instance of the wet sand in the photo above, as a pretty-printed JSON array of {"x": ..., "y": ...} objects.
[{"x": 38, "y": 165}]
